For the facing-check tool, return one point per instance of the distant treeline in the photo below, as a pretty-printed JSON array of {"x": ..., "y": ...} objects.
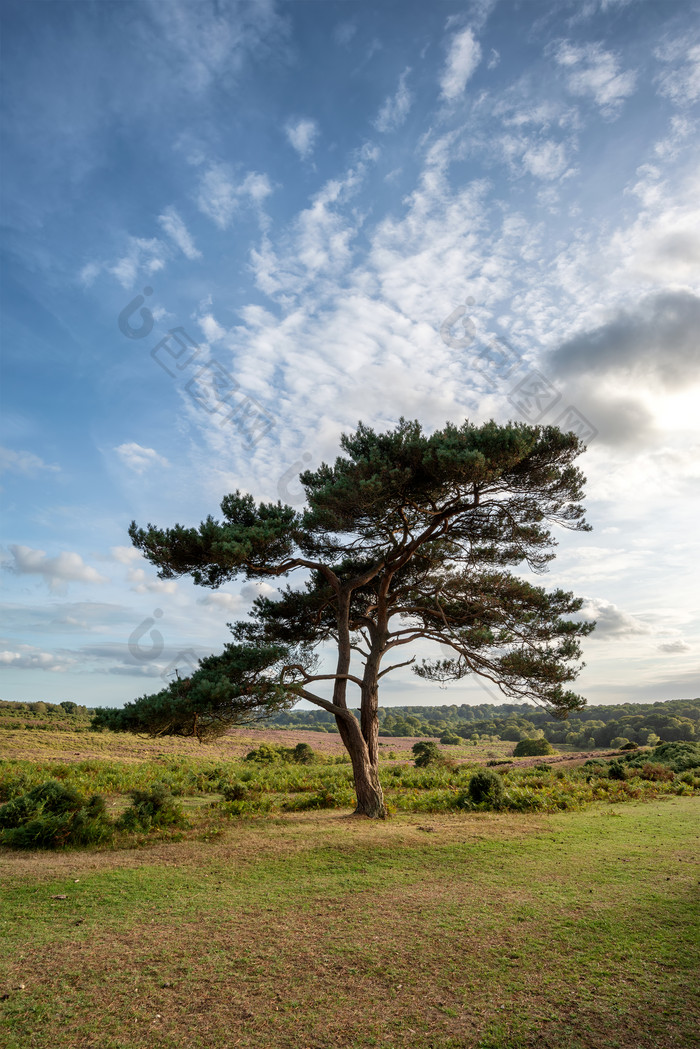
[
  {"x": 60, "y": 717},
  {"x": 643, "y": 723},
  {"x": 67, "y": 706}
]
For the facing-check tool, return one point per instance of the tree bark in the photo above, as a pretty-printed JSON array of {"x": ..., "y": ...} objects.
[{"x": 370, "y": 798}]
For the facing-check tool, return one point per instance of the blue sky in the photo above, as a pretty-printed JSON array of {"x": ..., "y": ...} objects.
[{"x": 231, "y": 231}]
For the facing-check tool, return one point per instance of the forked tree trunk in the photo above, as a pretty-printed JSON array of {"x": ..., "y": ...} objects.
[{"x": 370, "y": 798}]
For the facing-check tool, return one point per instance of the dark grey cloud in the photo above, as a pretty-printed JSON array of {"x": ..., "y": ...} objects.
[
  {"x": 653, "y": 347},
  {"x": 659, "y": 342}
]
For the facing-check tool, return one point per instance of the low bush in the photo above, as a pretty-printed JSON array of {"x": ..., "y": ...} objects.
[
  {"x": 527, "y": 748},
  {"x": 679, "y": 756},
  {"x": 52, "y": 816},
  {"x": 656, "y": 773},
  {"x": 619, "y": 743},
  {"x": 269, "y": 754},
  {"x": 233, "y": 790},
  {"x": 151, "y": 809},
  {"x": 322, "y": 799},
  {"x": 426, "y": 753},
  {"x": 486, "y": 786}
]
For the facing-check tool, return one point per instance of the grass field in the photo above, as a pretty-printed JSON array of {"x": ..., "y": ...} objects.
[{"x": 491, "y": 930}]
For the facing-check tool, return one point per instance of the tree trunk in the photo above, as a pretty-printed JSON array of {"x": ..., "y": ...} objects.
[
  {"x": 370, "y": 722},
  {"x": 370, "y": 798}
]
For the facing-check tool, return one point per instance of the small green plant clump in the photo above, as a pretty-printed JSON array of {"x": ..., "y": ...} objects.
[
  {"x": 678, "y": 756},
  {"x": 268, "y": 754},
  {"x": 486, "y": 786},
  {"x": 51, "y": 816},
  {"x": 527, "y": 748},
  {"x": 426, "y": 753},
  {"x": 151, "y": 809},
  {"x": 655, "y": 772}
]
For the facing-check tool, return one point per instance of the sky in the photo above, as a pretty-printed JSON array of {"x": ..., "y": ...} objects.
[{"x": 232, "y": 231}]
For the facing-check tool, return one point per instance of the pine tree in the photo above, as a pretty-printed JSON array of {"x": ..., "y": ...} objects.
[{"x": 406, "y": 538}]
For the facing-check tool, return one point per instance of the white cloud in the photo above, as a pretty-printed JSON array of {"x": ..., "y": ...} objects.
[
  {"x": 56, "y": 571},
  {"x": 26, "y": 463},
  {"x": 674, "y": 647},
  {"x": 592, "y": 71},
  {"x": 301, "y": 135},
  {"x": 176, "y": 229},
  {"x": 257, "y": 588},
  {"x": 255, "y": 186},
  {"x": 217, "y": 195},
  {"x": 222, "y": 602},
  {"x": 463, "y": 57},
  {"x": 17, "y": 656},
  {"x": 90, "y": 272},
  {"x": 213, "y": 332},
  {"x": 681, "y": 82},
  {"x": 611, "y": 621},
  {"x": 138, "y": 458},
  {"x": 220, "y": 196},
  {"x": 396, "y": 107},
  {"x": 545, "y": 160},
  {"x": 142, "y": 255},
  {"x": 211, "y": 42},
  {"x": 126, "y": 555},
  {"x": 140, "y": 582}
]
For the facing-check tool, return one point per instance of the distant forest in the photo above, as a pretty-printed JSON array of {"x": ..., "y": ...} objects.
[{"x": 643, "y": 723}]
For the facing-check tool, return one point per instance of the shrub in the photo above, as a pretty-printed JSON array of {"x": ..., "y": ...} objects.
[
  {"x": 233, "y": 790},
  {"x": 268, "y": 754},
  {"x": 449, "y": 739},
  {"x": 679, "y": 756},
  {"x": 265, "y": 754},
  {"x": 656, "y": 773},
  {"x": 486, "y": 786},
  {"x": 52, "y": 816},
  {"x": 630, "y": 746},
  {"x": 619, "y": 742},
  {"x": 322, "y": 799},
  {"x": 426, "y": 753},
  {"x": 304, "y": 754},
  {"x": 531, "y": 747},
  {"x": 616, "y": 770},
  {"x": 152, "y": 808}
]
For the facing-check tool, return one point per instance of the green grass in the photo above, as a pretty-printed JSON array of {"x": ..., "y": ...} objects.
[
  {"x": 489, "y": 931},
  {"x": 565, "y": 920}
]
